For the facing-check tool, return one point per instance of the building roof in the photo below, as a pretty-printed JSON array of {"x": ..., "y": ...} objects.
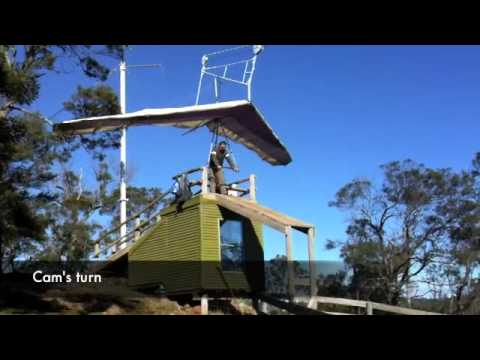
[{"x": 256, "y": 212}]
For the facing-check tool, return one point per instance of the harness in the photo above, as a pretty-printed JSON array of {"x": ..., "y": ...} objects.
[{"x": 214, "y": 143}]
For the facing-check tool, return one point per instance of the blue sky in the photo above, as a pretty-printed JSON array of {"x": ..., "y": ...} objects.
[{"x": 342, "y": 111}]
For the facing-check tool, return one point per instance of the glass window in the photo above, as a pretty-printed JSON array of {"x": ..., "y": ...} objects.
[{"x": 231, "y": 243}]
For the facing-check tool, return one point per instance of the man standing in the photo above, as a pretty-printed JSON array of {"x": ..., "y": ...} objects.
[{"x": 216, "y": 175}]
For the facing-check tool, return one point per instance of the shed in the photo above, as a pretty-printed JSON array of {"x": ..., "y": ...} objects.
[
  {"x": 211, "y": 244},
  {"x": 202, "y": 247}
]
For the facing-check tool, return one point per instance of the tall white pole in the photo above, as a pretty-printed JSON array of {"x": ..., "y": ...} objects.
[{"x": 123, "y": 156}]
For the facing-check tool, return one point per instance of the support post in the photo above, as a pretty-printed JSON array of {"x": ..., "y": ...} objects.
[
  {"x": 260, "y": 306},
  {"x": 249, "y": 82},
  {"x": 217, "y": 94},
  {"x": 264, "y": 307},
  {"x": 312, "y": 266},
  {"x": 204, "y": 305},
  {"x": 253, "y": 188},
  {"x": 137, "y": 229},
  {"x": 123, "y": 158},
  {"x": 369, "y": 308},
  {"x": 204, "y": 180},
  {"x": 202, "y": 72},
  {"x": 290, "y": 268},
  {"x": 97, "y": 250}
]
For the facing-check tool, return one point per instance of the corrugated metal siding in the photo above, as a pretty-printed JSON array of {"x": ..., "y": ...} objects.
[
  {"x": 210, "y": 222},
  {"x": 170, "y": 253},
  {"x": 183, "y": 251},
  {"x": 253, "y": 278}
]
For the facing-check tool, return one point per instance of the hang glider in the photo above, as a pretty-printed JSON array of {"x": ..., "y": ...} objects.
[{"x": 240, "y": 121}]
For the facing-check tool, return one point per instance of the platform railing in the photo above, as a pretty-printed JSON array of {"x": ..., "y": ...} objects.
[
  {"x": 138, "y": 230},
  {"x": 142, "y": 226},
  {"x": 232, "y": 187}
]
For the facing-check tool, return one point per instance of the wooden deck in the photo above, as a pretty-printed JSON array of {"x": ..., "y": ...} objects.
[{"x": 254, "y": 211}]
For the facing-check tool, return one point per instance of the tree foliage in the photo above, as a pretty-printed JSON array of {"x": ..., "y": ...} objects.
[
  {"x": 418, "y": 222},
  {"x": 47, "y": 209},
  {"x": 90, "y": 102},
  {"x": 31, "y": 155}
]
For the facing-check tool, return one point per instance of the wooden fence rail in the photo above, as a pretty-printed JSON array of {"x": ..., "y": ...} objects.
[{"x": 369, "y": 306}]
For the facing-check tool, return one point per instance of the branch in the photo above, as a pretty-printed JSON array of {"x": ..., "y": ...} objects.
[
  {"x": 385, "y": 217},
  {"x": 423, "y": 266}
]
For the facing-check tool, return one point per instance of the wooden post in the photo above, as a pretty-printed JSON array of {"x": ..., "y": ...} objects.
[
  {"x": 264, "y": 307},
  {"x": 312, "y": 266},
  {"x": 253, "y": 188},
  {"x": 97, "y": 250},
  {"x": 260, "y": 306},
  {"x": 290, "y": 268},
  {"x": 369, "y": 308},
  {"x": 204, "y": 305},
  {"x": 137, "y": 229},
  {"x": 204, "y": 180}
]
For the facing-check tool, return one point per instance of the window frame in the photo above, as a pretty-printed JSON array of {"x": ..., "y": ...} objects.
[{"x": 242, "y": 262}]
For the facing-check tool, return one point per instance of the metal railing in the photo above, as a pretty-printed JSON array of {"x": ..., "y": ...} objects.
[{"x": 222, "y": 73}]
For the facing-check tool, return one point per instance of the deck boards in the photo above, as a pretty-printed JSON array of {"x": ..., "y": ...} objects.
[{"x": 260, "y": 213}]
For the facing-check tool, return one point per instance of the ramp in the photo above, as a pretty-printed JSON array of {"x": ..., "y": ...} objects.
[{"x": 256, "y": 212}]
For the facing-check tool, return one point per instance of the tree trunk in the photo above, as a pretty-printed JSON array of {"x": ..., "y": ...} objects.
[
  {"x": 395, "y": 297},
  {"x": 458, "y": 299},
  {"x": 1, "y": 255}
]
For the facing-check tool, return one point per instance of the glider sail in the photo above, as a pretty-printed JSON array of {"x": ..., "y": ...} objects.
[{"x": 240, "y": 121}]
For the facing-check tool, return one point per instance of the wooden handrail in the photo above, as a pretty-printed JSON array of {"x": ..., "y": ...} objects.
[
  {"x": 246, "y": 191},
  {"x": 145, "y": 225},
  {"x": 367, "y": 304},
  {"x": 238, "y": 182},
  {"x": 400, "y": 310},
  {"x": 289, "y": 306},
  {"x": 126, "y": 240},
  {"x": 133, "y": 217},
  {"x": 203, "y": 182},
  {"x": 139, "y": 213},
  {"x": 188, "y": 172},
  {"x": 196, "y": 183}
]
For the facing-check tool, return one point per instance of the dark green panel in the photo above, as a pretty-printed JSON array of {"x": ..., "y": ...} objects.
[{"x": 183, "y": 251}]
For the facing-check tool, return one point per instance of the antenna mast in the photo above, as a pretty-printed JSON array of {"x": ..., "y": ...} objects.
[
  {"x": 220, "y": 72},
  {"x": 123, "y": 146}
]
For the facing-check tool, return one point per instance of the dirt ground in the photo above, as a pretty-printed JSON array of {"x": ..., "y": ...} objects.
[{"x": 113, "y": 297}]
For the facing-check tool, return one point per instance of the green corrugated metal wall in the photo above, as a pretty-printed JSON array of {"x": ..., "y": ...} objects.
[
  {"x": 253, "y": 242},
  {"x": 170, "y": 253},
  {"x": 183, "y": 251}
]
